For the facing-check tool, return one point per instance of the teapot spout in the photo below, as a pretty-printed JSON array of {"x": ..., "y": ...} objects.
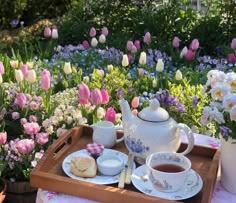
[{"x": 125, "y": 110}]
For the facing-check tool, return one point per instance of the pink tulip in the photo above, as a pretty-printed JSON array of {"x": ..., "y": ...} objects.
[
  {"x": 45, "y": 79},
  {"x": 110, "y": 114},
  {"x": 24, "y": 69},
  {"x": 194, "y": 45},
  {"x": 190, "y": 55},
  {"x": 92, "y": 32},
  {"x": 47, "y": 32},
  {"x": 31, "y": 128},
  {"x": 25, "y": 146},
  {"x": 85, "y": 44},
  {"x": 96, "y": 96},
  {"x": 3, "y": 137},
  {"x": 147, "y": 38},
  {"x": 83, "y": 101},
  {"x": 135, "y": 102},
  {"x": 137, "y": 44},
  {"x": 2, "y": 69},
  {"x": 140, "y": 71},
  {"x": 129, "y": 45},
  {"x": 134, "y": 112},
  {"x": 42, "y": 138},
  {"x": 15, "y": 115},
  {"x": 175, "y": 42},
  {"x": 233, "y": 43},
  {"x": 21, "y": 99},
  {"x": 105, "y": 31},
  {"x": 105, "y": 96},
  {"x": 83, "y": 92},
  {"x": 231, "y": 58},
  {"x": 130, "y": 58}
]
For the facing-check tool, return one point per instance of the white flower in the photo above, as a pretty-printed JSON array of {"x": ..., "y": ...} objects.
[
  {"x": 160, "y": 65},
  {"x": 50, "y": 130},
  {"x": 54, "y": 33},
  {"x": 19, "y": 75},
  {"x": 1, "y": 79},
  {"x": 231, "y": 80},
  {"x": 60, "y": 131},
  {"x": 69, "y": 119},
  {"x": 118, "y": 117},
  {"x": 183, "y": 52},
  {"x": 102, "y": 39},
  {"x": 94, "y": 42},
  {"x": 154, "y": 83},
  {"x": 14, "y": 63},
  {"x": 86, "y": 79},
  {"x": 233, "y": 113},
  {"x": 178, "y": 75},
  {"x": 217, "y": 116},
  {"x": 67, "y": 68},
  {"x": 229, "y": 101},
  {"x": 125, "y": 60},
  {"x": 215, "y": 76},
  {"x": 100, "y": 113},
  {"x": 31, "y": 77},
  {"x": 143, "y": 58},
  {"x": 219, "y": 90},
  {"x": 110, "y": 67}
]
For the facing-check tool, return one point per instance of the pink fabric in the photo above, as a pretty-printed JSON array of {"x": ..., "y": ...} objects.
[{"x": 220, "y": 195}]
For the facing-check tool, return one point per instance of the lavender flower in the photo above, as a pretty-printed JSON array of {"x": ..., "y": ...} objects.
[
  {"x": 225, "y": 131},
  {"x": 194, "y": 101}
]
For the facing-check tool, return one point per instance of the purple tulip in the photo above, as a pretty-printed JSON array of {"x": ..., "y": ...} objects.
[
  {"x": 21, "y": 99},
  {"x": 190, "y": 55},
  {"x": 175, "y": 42},
  {"x": 3, "y": 137},
  {"x": 137, "y": 44},
  {"x": 25, "y": 146},
  {"x": 105, "y": 31},
  {"x": 105, "y": 96},
  {"x": 45, "y": 79},
  {"x": 83, "y": 92},
  {"x": 147, "y": 38},
  {"x": 233, "y": 43},
  {"x": 85, "y": 44},
  {"x": 96, "y": 96},
  {"x": 92, "y": 32},
  {"x": 231, "y": 58},
  {"x": 110, "y": 114},
  {"x": 194, "y": 45},
  {"x": 129, "y": 45},
  {"x": 2, "y": 69},
  {"x": 130, "y": 58},
  {"x": 47, "y": 32}
]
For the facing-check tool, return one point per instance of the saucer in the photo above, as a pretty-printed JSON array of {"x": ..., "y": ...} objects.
[{"x": 144, "y": 185}]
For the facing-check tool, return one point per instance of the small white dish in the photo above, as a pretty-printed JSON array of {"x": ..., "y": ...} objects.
[
  {"x": 109, "y": 165},
  {"x": 143, "y": 184}
]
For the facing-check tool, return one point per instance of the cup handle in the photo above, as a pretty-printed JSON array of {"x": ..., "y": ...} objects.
[
  {"x": 119, "y": 128},
  {"x": 190, "y": 137}
]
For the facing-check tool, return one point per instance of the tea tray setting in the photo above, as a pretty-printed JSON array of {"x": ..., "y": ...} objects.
[{"x": 53, "y": 173}]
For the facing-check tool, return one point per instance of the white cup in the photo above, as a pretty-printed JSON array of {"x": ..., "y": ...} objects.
[{"x": 168, "y": 171}]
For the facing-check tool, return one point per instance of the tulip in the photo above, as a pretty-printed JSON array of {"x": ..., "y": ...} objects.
[
  {"x": 233, "y": 43},
  {"x": 105, "y": 31},
  {"x": 189, "y": 55},
  {"x": 105, "y": 96},
  {"x": 96, "y": 96},
  {"x": 110, "y": 114},
  {"x": 154, "y": 83},
  {"x": 24, "y": 69},
  {"x": 47, "y": 32},
  {"x": 21, "y": 99},
  {"x": 92, "y": 32},
  {"x": 94, "y": 42},
  {"x": 83, "y": 101},
  {"x": 178, "y": 75},
  {"x": 67, "y": 68},
  {"x": 134, "y": 49},
  {"x": 147, "y": 38},
  {"x": 125, "y": 60},
  {"x": 25, "y": 146},
  {"x": 231, "y": 58},
  {"x": 1, "y": 80},
  {"x": 54, "y": 32},
  {"x": 86, "y": 79},
  {"x": 160, "y": 65},
  {"x": 83, "y": 91},
  {"x": 3, "y": 137},
  {"x": 130, "y": 58},
  {"x": 140, "y": 71},
  {"x": 19, "y": 75},
  {"x": 101, "y": 72},
  {"x": 135, "y": 102},
  {"x": 100, "y": 113},
  {"x": 31, "y": 76},
  {"x": 14, "y": 63},
  {"x": 194, "y": 45},
  {"x": 30, "y": 64},
  {"x": 142, "y": 58},
  {"x": 183, "y": 52},
  {"x": 85, "y": 44},
  {"x": 137, "y": 44},
  {"x": 110, "y": 67},
  {"x": 2, "y": 69},
  {"x": 175, "y": 42},
  {"x": 129, "y": 45},
  {"x": 102, "y": 39},
  {"x": 45, "y": 79}
]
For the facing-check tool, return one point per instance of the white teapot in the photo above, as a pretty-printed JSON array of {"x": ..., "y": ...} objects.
[{"x": 152, "y": 130}]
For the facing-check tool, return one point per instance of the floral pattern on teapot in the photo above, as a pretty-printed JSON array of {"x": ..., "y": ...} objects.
[{"x": 136, "y": 145}]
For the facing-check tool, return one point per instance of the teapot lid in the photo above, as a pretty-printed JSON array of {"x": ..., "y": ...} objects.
[{"x": 153, "y": 113}]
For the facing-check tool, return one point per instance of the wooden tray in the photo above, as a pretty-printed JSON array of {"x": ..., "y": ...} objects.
[{"x": 48, "y": 173}]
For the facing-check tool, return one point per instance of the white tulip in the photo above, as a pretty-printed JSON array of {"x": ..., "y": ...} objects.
[
  {"x": 110, "y": 67},
  {"x": 125, "y": 60},
  {"x": 30, "y": 64},
  {"x": 183, "y": 52},
  {"x": 102, "y": 39},
  {"x": 160, "y": 65},
  {"x": 86, "y": 79},
  {"x": 178, "y": 75},
  {"x": 94, "y": 42},
  {"x": 100, "y": 113},
  {"x": 0, "y": 78},
  {"x": 67, "y": 68},
  {"x": 154, "y": 83},
  {"x": 31, "y": 76},
  {"x": 19, "y": 75},
  {"x": 143, "y": 58},
  {"x": 14, "y": 63},
  {"x": 54, "y": 33}
]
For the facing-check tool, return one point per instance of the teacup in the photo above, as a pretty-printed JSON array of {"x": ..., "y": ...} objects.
[{"x": 168, "y": 171}]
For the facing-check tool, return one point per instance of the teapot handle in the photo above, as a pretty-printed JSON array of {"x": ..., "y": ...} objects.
[
  {"x": 190, "y": 137},
  {"x": 119, "y": 128}
]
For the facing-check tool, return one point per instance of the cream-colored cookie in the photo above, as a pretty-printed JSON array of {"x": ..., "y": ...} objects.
[{"x": 83, "y": 166}]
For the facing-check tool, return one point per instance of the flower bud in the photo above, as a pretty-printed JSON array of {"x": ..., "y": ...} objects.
[
  {"x": 233, "y": 43},
  {"x": 94, "y": 42},
  {"x": 134, "y": 49},
  {"x": 178, "y": 75},
  {"x": 105, "y": 31},
  {"x": 96, "y": 96},
  {"x": 83, "y": 91},
  {"x": 110, "y": 67},
  {"x": 135, "y": 102},
  {"x": 125, "y": 60},
  {"x": 160, "y": 65},
  {"x": 19, "y": 75},
  {"x": 110, "y": 114},
  {"x": 45, "y": 79},
  {"x": 92, "y": 32},
  {"x": 30, "y": 64},
  {"x": 54, "y": 32},
  {"x": 137, "y": 44},
  {"x": 31, "y": 76},
  {"x": 2, "y": 69},
  {"x": 102, "y": 39},
  {"x": 67, "y": 68},
  {"x": 154, "y": 83},
  {"x": 105, "y": 96},
  {"x": 129, "y": 45},
  {"x": 14, "y": 63},
  {"x": 183, "y": 52},
  {"x": 85, "y": 44},
  {"x": 175, "y": 42},
  {"x": 140, "y": 71},
  {"x": 194, "y": 45},
  {"x": 231, "y": 58},
  {"x": 147, "y": 38},
  {"x": 3, "y": 137},
  {"x": 47, "y": 32},
  {"x": 142, "y": 58},
  {"x": 24, "y": 69},
  {"x": 189, "y": 55}
]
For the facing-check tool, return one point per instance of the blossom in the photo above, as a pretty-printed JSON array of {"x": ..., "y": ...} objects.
[
  {"x": 105, "y": 31},
  {"x": 45, "y": 79},
  {"x": 94, "y": 42},
  {"x": 231, "y": 58},
  {"x": 25, "y": 146},
  {"x": 31, "y": 128},
  {"x": 110, "y": 67},
  {"x": 160, "y": 65},
  {"x": 194, "y": 45},
  {"x": 110, "y": 114},
  {"x": 47, "y": 32},
  {"x": 67, "y": 68},
  {"x": 54, "y": 32},
  {"x": 135, "y": 102},
  {"x": 96, "y": 96},
  {"x": 134, "y": 49},
  {"x": 100, "y": 113},
  {"x": 14, "y": 63},
  {"x": 21, "y": 99},
  {"x": 183, "y": 52},
  {"x": 102, "y": 39},
  {"x": 143, "y": 58},
  {"x": 147, "y": 38},
  {"x": 83, "y": 91},
  {"x": 3, "y": 137},
  {"x": 24, "y": 69},
  {"x": 129, "y": 45},
  {"x": 92, "y": 32},
  {"x": 178, "y": 75},
  {"x": 219, "y": 90},
  {"x": 31, "y": 78},
  {"x": 19, "y": 75},
  {"x": 85, "y": 44},
  {"x": 229, "y": 101},
  {"x": 141, "y": 71},
  {"x": 230, "y": 78},
  {"x": 125, "y": 60},
  {"x": 42, "y": 138},
  {"x": 137, "y": 44},
  {"x": 15, "y": 115},
  {"x": 189, "y": 55},
  {"x": 225, "y": 131},
  {"x": 175, "y": 42},
  {"x": 2, "y": 69},
  {"x": 233, "y": 113},
  {"x": 105, "y": 96},
  {"x": 233, "y": 43}
]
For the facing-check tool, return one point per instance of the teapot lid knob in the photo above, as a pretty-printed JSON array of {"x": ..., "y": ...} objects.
[{"x": 154, "y": 104}]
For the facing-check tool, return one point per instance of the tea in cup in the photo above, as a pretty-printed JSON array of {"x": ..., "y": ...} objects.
[{"x": 168, "y": 171}]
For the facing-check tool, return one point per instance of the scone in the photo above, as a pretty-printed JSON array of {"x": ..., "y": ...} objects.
[{"x": 83, "y": 166}]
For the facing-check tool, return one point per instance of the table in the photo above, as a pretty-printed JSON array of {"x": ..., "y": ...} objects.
[{"x": 220, "y": 195}]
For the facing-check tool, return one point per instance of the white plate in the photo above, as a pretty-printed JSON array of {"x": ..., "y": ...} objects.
[
  {"x": 99, "y": 178},
  {"x": 143, "y": 184}
]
